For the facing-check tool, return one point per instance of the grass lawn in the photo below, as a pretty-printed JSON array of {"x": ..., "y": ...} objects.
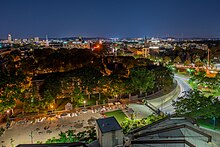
[
  {"x": 208, "y": 123},
  {"x": 118, "y": 114}
]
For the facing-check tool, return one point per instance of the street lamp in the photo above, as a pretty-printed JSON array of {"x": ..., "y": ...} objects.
[
  {"x": 52, "y": 106},
  {"x": 8, "y": 114},
  {"x": 84, "y": 102}
]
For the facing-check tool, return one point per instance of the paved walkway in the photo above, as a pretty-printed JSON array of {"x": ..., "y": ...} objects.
[
  {"x": 21, "y": 133},
  {"x": 140, "y": 111}
]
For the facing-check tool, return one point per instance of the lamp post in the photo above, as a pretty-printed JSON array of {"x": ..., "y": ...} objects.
[
  {"x": 84, "y": 102},
  {"x": 52, "y": 108},
  {"x": 8, "y": 111},
  {"x": 31, "y": 135}
]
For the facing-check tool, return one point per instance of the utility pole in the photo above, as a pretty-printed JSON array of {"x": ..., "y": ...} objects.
[{"x": 208, "y": 64}]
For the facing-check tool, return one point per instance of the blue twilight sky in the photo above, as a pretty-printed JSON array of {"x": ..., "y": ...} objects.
[{"x": 110, "y": 18}]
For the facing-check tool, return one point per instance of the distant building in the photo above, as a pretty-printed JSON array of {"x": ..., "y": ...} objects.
[
  {"x": 36, "y": 39},
  {"x": 9, "y": 38},
  {"x": 109, "y": 132},
  {"x": 78, "y": 43},
  {"x": 145, "y": 51},
  {"x": 47, "y": 42}
]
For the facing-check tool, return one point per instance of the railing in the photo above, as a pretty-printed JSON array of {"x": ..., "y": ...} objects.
[
  {"x": 174, "y": 128},
  {"x": 180, "y": 141}
]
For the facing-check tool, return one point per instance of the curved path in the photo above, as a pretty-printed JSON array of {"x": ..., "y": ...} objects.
[
  {"x": 184, "y": 86},
  {"x": 167, "y": 106}
]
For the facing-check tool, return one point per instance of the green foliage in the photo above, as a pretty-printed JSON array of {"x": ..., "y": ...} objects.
[
  {"x": 163, "y": 77},
  {"x": 52, "y": 86},
  {"x": 200, "y": 79},
  {"x": 7, "y": 97},
  {"x": 177, "y": 60},
  {"x": 166, "y": 60},
  {"x": 131, "y": 124},
  {"x": 187, "y": 62},
  {"x": 194, "y": 103},
  {"x": 77, "y": 96},
  {"x": 69, "y": 137},
  {"x": 208, "y": 123},
  {"x": 142, "y": 79},
  {"x": 198, "y": 63}
]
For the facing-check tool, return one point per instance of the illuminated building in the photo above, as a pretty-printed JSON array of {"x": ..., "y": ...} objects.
[
  {"x": 36, "y": 39},
  {"x": 9, "y": 38}
]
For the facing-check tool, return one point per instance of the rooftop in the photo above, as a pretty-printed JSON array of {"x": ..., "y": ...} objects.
[{"x": 108, "y": 124}]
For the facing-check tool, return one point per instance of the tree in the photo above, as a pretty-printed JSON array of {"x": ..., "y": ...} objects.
[
  {"x": 7, "y": 97},
  {"x": 77, "y": 96},
  {"x": 187, "y": 62},
  {"x": 116, "y": 86},
  {"x": 89, "y": 77},
  {"x": 163, "y": 77},
  {"x": 177, "y": 60},
  {"x": 194, "y": 103},
  {"x": 166, "y": 60},
  {"x": 47, "y": 98},
  {"x": 52, "y": 84},
  {"x": 198, "y": 63},
  {"x": 142, "y": 79}
]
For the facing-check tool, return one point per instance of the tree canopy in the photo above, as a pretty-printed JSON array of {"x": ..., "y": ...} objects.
[{"x": 194, "y": 103}]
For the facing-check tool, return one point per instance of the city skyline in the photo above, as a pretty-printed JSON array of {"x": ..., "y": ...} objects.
[{"x": 25, "y": 19}]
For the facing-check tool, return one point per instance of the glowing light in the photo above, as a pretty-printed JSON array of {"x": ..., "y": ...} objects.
[{"x": 98, "y": 46}]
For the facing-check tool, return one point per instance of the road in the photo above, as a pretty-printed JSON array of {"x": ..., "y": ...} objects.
[
  {"x": 167, "y": 107},
  {"x": 184, "y": 86}
]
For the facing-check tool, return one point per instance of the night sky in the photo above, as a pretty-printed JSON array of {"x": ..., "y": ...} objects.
[{"x": 110, "y": 18}]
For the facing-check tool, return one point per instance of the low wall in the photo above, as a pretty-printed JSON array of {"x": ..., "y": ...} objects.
[
  {"x": 168, "y": 96},
  {"x": 159, "y": 94}
]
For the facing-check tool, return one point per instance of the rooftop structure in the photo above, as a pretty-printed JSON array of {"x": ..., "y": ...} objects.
[
  {"x": 109, "y": 132},
  {"x": 172, "y": 132},
  {"x": 108, "y": 124}
]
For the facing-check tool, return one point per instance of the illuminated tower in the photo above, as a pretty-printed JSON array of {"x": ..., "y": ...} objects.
[
  {"x": 36, "y": 39},
  {"x": 145, "y": 50},
  {"x": 47, "y": 42},
  {"x": 9, "y": 38},
  {"x": 208, "y": 62}
]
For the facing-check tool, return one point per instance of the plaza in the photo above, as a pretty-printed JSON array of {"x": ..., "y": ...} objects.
[{"x": 50, "y": 127}]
